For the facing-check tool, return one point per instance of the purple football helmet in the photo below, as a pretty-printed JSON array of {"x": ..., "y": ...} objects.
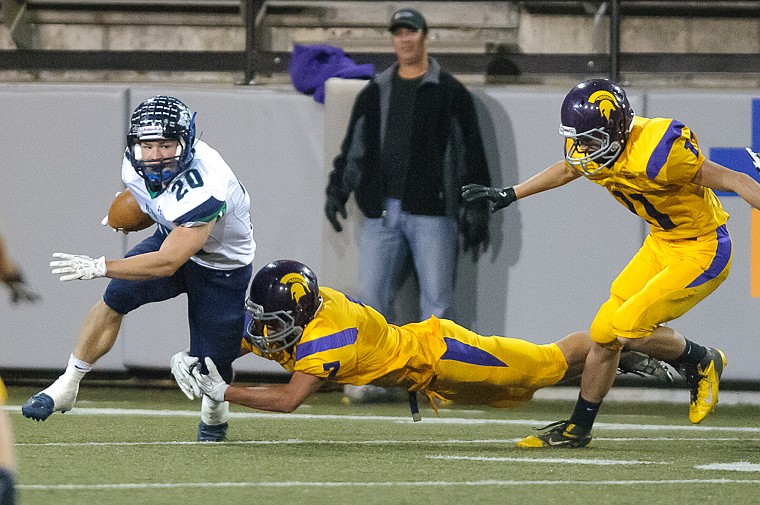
[
  {"x": 596, "y": 121},
  {"x": 283, "y": 299}
]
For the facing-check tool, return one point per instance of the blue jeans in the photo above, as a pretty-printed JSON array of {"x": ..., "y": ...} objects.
[{"x": 386, "y": 246}]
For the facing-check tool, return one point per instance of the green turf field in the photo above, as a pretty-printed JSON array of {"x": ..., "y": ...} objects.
[{"x": 137, "y": 446}]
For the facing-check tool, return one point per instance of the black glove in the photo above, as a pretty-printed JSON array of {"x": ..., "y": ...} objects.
[
  {"x": 335, "y": 204},
  {"x": 498, "y": 197},
  {"x": 475, "y": 229},
  {"x": 20, "y": 291}
]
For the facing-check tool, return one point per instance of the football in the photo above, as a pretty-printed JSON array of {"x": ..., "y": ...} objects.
[{"x": 125, "y": 213}]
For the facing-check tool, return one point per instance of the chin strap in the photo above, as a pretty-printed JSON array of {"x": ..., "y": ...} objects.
[{"x": 414, "y": 407}]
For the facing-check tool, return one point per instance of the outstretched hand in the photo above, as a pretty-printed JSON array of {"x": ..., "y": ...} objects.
[
  {"x": 212, "y": 384},
  {"x": 182, "y": 366},
  {"x": 20, "y": 290},
  {"x": 497, "y": 197},
  {"x": 78, "y": 266}
]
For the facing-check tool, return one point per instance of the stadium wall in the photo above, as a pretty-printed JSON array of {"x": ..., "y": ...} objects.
[{"x": 549, "y": 267}]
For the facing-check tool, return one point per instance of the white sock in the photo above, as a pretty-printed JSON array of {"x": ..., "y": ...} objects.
[
  {"x": 79, "y": 365},
  {"x": 69, "y": 381},
  {"x": 213, "y": 412}
]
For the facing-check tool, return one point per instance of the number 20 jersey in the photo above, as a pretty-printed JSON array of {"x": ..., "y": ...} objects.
[
  {"x": 206, "y": 191},
  {"x": 653, "y": 179}
]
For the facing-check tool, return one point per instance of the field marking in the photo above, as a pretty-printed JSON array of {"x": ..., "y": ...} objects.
[
  {"x": 291, "y": 484},
  {"x": 564, "y": 461},
  {"x": 739, "y": 466},
  {"x": 298, "y": 441},
  {"x": 395, "y": 419}
]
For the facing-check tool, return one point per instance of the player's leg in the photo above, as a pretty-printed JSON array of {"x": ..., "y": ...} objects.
[
  {"x": 95, "y": 339},
  {"x": 575, "y": 348},
  {"x": 601, "y": 363},
  {"x": 433, "y": 242},
  {"x": 99, "y": 333},
  {"x": 494, "y": 370},
  {"x": 7, "y": 455},
  {"x": 693, "y": 270},
  {"x": 215, "y": 301}
]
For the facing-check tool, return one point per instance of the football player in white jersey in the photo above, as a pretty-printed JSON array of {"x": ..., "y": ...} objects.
[{"x": 203, "y": 246}]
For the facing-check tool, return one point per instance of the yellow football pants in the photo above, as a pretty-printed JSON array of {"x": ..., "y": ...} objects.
[
  {"x": 663, "y": 281},
  {"x": 496, "y": 371}
]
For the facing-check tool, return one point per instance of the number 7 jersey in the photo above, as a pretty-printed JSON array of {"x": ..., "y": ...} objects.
[
  {"x": 207, "y": 191},
  {"x": 653, "y": 179}
]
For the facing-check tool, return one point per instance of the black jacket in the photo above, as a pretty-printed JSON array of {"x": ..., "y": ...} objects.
[{"x": 447, "y": 149}]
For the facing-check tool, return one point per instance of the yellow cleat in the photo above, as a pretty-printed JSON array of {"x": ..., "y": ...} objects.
[
  {"x": 704, "y": 394},
  {"x": 559, "y": 434}
]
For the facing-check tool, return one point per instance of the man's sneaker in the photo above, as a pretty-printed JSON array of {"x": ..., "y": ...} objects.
[
  {"x": 212, "y": 432},
  {"x": 703, "y": 381},
  {"x": 372, "y": 394},
  {"x": 40, "y": 406},
  {"x": 559, "y": 434},
  {"x": 643, "y": 365}
]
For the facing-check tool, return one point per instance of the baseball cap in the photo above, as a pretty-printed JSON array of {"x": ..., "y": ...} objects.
[{"x": 407, "y": 18}]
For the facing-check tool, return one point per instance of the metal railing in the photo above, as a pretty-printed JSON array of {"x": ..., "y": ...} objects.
[{"x": 255, "y": 61}]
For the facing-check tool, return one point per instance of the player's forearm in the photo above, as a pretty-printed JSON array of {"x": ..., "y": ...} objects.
[
  {"x": 269, "y": 398},
  {"x": 181, "y": 244},
  {"x": 749, "y": 191},
  {"x": 552, "y": 177},
  {"x": 143, "y": 267}
]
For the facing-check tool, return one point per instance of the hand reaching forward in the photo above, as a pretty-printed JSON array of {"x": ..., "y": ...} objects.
[
  {"x": 182, "y": 366},
  {"x": 498, "y": 197},
  {"x": 78, "y": 266},
  {"x": 212, "y": 384}
]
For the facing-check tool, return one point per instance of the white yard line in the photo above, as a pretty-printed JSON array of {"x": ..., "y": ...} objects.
[
  {"x": 563, "y": 461},
  {"x": 292, "y": 484},
  {"x": 638, "y": 394},
  {"x": 430, "y": 418},
  {"x": 739, "y": 466},
  {"x": 368, "y": 442}
]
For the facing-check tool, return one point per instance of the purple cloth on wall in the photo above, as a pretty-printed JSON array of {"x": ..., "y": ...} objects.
[{"x": 310, "y": 66}]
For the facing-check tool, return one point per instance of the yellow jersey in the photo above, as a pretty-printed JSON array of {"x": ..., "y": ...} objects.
[
  {"x": 653, "y": 179},
  {"x": 385, "y": 355}
]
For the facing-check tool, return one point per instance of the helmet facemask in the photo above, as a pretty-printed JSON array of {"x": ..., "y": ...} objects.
[
  {"x": 161, "y": 118},
  {"x": 158, "y": 173},
  {"x": 271, "y": 332},
  {"x": 590, "y": 151}
]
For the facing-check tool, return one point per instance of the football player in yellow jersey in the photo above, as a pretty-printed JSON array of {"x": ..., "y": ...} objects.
[
  {"x": 7, "y": 454},
  {"x": 320, "y": 334},
  {"x": 653, "y": 167}
]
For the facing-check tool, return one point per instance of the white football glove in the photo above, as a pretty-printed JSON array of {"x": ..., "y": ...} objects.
[
  {"x": 755, "y": 158},
  {"x": 212, "y": 384},
  {"x": 78, "y": 266},
  {"x": 182, "y": 364}
]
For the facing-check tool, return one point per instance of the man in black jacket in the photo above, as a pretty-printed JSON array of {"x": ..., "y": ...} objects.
[{"x": 412, "y": 140}]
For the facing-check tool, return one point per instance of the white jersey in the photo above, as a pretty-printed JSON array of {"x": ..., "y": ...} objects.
[{"x": 206, "y": 191}]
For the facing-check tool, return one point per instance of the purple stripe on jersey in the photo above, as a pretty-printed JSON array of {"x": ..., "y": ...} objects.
[
  {"x": 204, "y": 212},
  {"x": 661, "y": 152},
  {"x": 457, "y": 351},
  {"x": 719, "y": 262},
  {"x": 334, "y": 341}
]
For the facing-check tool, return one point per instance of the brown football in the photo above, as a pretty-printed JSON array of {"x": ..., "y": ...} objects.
[{"x": 125, "y": 213}]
